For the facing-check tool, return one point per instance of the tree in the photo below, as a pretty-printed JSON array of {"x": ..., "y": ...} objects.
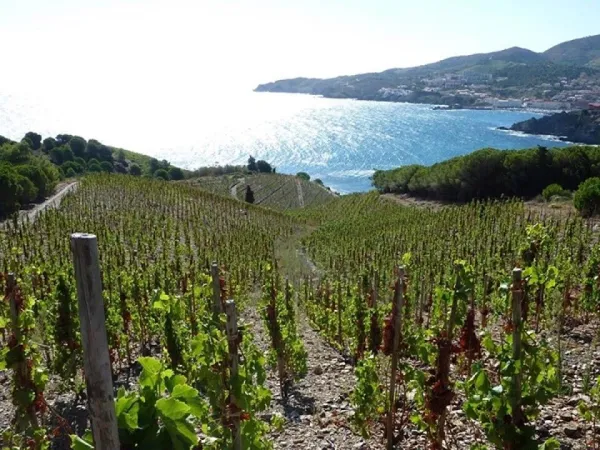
[
  {"x": 63, "y": 139},
  {"x": 70, "y": 173},
  {"x": 10, "y": 189},
  {"x": 4, "y": 140},
  {"x": 175, "y": 173},
  {"x": 263, "y": 166},
  {"x": 249, "y": 194},
  {"x": 303, "y": 176},
  {"x": 162, "y": 174},
  {"x": 35, "y": 139},
  {"x": 319, "y": 181},
  {"x": 16, "y": 153},
  {"x": 107, "y": 167},
  {"x": 94, "y": 167},
  {"x": 135, "y": 170},
  {"x": 587, "y": 197},
  {"x": 252, "y": 164},
  {"x": 28, "y": 191},
  {"x": 48, "y": 144},
  {"x": 98, "y": 151},
  {"x": 153, "y": 165},
  {"x": 78, "y": 145},
  {"x": 121, "y": 156}
]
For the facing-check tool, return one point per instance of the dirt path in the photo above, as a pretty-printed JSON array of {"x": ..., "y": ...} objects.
[
  {"x": 233, "y": 190},
  {"x": 317, "y": 412},
  {"x": 300, "y": 193},
  {"x": 52, "y": 202}
]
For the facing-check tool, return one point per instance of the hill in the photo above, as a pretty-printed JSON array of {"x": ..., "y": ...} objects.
[
  {"x": 582, "y": 52},
  {"x": 273, "y": 190},
  {"x": 513, "y": 72}
]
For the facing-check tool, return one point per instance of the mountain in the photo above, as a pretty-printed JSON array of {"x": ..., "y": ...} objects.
[
  {"x": 582, "y": 52},
  {"x": 513, "y": 72}
]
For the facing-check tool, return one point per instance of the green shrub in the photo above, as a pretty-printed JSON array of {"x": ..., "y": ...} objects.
[
  {"x": 587, "y": 197},
  {"x": 161, "y": 173},
  {"x": 135, "y": 170},
  {"x": 554, "y": 190},
  {"x": 72, "y": 165},
  {"x": 175, "y": 173},
  {"x": 44, "y": 183},
  {"x": 10, "y": 189},
  {"x": 107, "y": 167},
  {"x": 94, "y": 167},
  {"x": 303, "y": 176},
  {"x": 70, "y": 173},
  {"x": 29, "y": 192}
]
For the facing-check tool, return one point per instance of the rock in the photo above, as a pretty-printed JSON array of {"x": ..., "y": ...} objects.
[
  {"x": 565, "y": 416},
  {"x": 318, "y": 370},
  {"x": 573, "y": 431}
]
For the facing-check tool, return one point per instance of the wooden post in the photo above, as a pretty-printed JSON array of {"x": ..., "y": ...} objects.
[
  {"x": 517, "y": 297},
  {"x": 398, "y": 304},
  {"x": 98, "y": 374},
  {"x": 232, "y": 337},
  {"x": 217, "y": 307}
]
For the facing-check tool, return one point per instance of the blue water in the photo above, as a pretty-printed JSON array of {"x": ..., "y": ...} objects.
[{"x": 339, "y": 141}]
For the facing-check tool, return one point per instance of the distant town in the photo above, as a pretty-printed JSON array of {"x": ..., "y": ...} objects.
[{"x": 478, "y": 88}]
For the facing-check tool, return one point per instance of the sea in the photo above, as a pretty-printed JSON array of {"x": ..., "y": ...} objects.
[{"x": 339, "y": 141}]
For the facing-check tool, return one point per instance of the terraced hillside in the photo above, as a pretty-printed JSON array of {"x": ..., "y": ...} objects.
[{"x": 272, "y": 190}]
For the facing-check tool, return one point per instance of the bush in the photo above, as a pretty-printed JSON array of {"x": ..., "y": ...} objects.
[
  {"x": 10, "y": 189},
  {"x": 29, "y": 192},
  {"x": 94, "y": 167},
  {"x": 162, "y": 174},
  {"x": 587, "y": 197},
  {"x": 303, "y": 176},
  {"x": 175, "y": 173},
  {"x": 72, "y": 165},
  {"x": 43, "y": 177},
  {"x": 107, "y": 167},
  {"x": 554, "y": 190},
  {"x": 319, "y": 181},
  {"x": 70, "y": 173},
  {"x": 135, "y": 170}
]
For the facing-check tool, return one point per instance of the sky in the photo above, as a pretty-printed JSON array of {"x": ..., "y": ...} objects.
[{"x": 177, "y": 46}]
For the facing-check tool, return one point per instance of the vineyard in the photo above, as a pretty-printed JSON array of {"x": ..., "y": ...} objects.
[
  {"x": 278, "y": 191},
  {"x": 458, "y": 327}
]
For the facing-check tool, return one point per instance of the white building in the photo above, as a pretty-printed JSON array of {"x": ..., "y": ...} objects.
[{"x": 505, "y": 103}]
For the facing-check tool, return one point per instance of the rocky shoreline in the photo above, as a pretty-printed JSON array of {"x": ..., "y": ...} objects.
[{"x": 581, "y": 126}]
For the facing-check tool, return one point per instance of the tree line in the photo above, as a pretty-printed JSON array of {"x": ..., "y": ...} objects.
[
  {"x": 492, "y": 173},
  {"x": 31, "y": 169}
]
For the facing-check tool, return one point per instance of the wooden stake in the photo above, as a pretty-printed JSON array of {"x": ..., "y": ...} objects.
[
  {"x": 98, "y": 374},
  {"x": 232, "y": 337},
  {"x": 398, "y": 304}
]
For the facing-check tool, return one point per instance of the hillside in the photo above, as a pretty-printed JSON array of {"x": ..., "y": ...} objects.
[
  {"x": 272, "y": 190},
  {"x": 513, "y": 72},
  {"x": 309, "y": 322},
  {"x": 581, "y": 52},
  {"x": 575, "y": 126}
]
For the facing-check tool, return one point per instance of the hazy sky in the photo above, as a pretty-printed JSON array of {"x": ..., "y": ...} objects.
[{"x": 176, "y": 45}]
